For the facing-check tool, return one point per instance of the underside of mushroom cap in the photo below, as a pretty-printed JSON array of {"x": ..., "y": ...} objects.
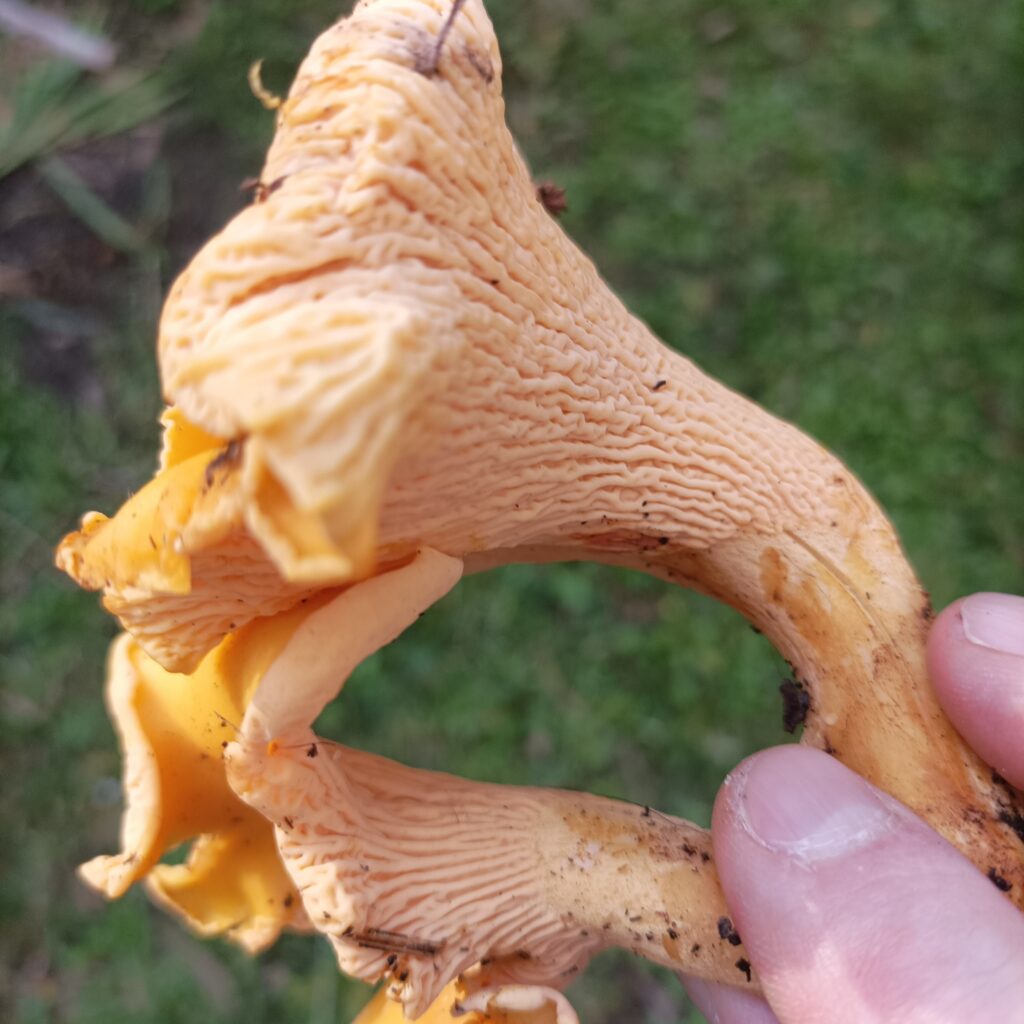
[{"x": 417, "y": 876}]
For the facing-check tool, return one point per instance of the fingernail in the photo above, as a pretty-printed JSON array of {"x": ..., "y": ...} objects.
[
  {"x": 803, "y": 803},
  {"x": 995, "y": 621}
]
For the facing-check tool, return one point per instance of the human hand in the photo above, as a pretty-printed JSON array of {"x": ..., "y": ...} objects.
[{"x": 852, "y": 910}]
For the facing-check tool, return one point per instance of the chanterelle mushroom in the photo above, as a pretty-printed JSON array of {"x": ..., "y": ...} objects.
[{"x": 397, "y": 349}]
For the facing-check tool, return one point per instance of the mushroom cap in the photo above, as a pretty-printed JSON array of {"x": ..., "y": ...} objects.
[
  {"x": 172, "y": 729},
  {"x": 416, "y": 876},
  {"x": 177, "y": 564}
]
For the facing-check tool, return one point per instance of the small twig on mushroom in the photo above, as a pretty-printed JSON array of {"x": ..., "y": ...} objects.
[
  {"x": 226, "y": 722},
  {"x": 270, "y": 100},
  {"x": 431, "y": 66},
  {"x": 388, "y": 941},
  {"x": 258, "y": 190}
]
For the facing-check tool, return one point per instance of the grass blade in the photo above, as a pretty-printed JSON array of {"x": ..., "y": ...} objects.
[{"x": 89, "y": 208}]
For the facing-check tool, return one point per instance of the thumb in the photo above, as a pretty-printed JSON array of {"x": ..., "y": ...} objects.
[{"x": 855, "y": 911}]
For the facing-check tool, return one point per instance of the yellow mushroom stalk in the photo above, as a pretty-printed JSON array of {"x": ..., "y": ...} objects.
[{"x": 394, "y": 366}]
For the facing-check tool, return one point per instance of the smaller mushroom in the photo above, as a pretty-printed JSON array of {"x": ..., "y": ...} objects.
[{"x": 418, "y": 876}]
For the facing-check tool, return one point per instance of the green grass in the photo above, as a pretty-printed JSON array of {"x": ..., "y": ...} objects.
[{"x": 821, "y": 203}]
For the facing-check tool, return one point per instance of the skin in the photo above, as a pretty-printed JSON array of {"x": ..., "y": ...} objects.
[{"x": 882, "y": 920}]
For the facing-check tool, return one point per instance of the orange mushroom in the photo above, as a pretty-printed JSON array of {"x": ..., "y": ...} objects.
[
  {"x": 395, "y": 351},
  {"x": 172, "y": 731}
]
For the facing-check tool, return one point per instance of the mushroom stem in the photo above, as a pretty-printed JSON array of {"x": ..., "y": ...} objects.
[
  {"x": 850, "y": 617},
  {"x": 697, "y": 485}
]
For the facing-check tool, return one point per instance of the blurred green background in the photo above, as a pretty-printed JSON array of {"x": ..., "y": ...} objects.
[{"x": 821, "y": 202}]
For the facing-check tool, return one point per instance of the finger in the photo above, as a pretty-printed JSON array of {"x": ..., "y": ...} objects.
[
  {"x": 852, "y": 910},
  {"x": 976, "y": 661},
  {"x": 722, "y": 1004}
]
